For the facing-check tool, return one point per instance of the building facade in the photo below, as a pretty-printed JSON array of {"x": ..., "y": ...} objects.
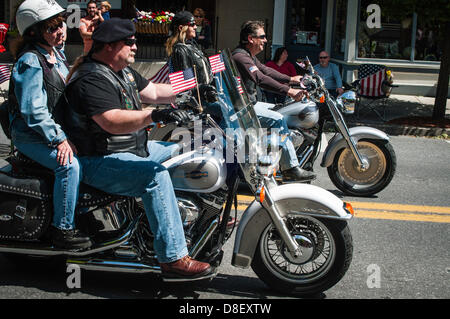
[{"x": 353, "y": 32}]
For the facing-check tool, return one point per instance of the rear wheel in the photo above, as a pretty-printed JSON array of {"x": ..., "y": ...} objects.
[
  {"x": 327, "y": 250},
  {"x": 346, "y": 175}
]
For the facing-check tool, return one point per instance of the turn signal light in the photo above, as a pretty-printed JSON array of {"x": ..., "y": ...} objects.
[
  {"x": 261, "y": 194},
  {"x": 322, "y": 99},
  {"x": 348, "y": 207}
]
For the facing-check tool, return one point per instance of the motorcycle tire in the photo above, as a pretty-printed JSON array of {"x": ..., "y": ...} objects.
[
  {"x": 346, "y": 177},
  {"x": 319, "y": 267}
]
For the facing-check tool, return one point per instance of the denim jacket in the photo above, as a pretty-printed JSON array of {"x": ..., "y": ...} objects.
[{"x": 35, "y": 125}]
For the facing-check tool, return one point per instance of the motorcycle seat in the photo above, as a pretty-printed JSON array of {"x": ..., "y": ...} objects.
[
  {"x": 23, "y": 165},
  {"x": 37, "y": 177},
  {"x": 28, "y": 186}
]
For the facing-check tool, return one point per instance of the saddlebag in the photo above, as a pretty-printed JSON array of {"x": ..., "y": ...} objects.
[{"x": 25, "y": 207}]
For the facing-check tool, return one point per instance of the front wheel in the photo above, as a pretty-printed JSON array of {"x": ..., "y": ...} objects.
[
  {"x": 346, "y": 175},
  {"x": 327, "y": 250}
]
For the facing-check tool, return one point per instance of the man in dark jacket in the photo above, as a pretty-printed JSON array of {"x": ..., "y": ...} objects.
[
  {"x": 107, "y": 124},
  {"x": 256, "y": 75}
]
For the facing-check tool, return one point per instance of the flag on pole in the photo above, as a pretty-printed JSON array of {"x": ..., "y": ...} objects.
[
  {"x": 217, "y": 64},
  {"x": 162, "y": 76},
  {"x": 5, "y": 73},
  {"x": 239, "y": 86},
  {"x": 182, "y": 80}
]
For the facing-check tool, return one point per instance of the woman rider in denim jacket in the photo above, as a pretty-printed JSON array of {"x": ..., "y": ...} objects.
[{"x": 33, "y": 129}]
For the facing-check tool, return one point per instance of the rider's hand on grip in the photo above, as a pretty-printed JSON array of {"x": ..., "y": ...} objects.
[
  {"x": 170, "y": 115},
  {"x": 208, "y": 93},
  {"x": 296, "y": 94},
  {"x": 187, "y": 101}
]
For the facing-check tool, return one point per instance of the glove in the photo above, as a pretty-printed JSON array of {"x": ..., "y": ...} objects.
[
  {"x": 168, "y": 115},
  {"x": 187, "y": 101},
  {"x": 208, "y": 92}
]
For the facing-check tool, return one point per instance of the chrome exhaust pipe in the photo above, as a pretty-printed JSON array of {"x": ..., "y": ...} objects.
[
  {"x": 115, "y": 266},
  {"x": 204, "y": 239}
]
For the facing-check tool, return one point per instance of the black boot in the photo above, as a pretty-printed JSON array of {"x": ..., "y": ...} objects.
[
  {"x": 297, "y": 174},
  {"x": 70, "y": 239}
]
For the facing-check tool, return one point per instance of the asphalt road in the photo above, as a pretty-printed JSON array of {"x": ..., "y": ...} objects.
[{"x": 399, "y": 252}]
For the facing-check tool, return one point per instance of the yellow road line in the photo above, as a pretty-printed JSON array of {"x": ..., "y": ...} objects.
[
  {"x": 399, "y": 216},
  {"x": 436, "y": 214},
  {"x": 399, "y": 207}
]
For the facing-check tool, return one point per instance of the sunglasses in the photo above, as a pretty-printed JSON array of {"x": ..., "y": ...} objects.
[
  {"x": 55, "y": 28},
  {"x": 323, "y": 57},
  {"x": 198, "y": 17},
  {"x": 262, "y": 36},
  {"x": 130, "y": 42},
  {"x": 190, "y": 24}
]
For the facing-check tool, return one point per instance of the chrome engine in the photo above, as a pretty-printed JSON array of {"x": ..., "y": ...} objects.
[{"x": 297, "y": 138}]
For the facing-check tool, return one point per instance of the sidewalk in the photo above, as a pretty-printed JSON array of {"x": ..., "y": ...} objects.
[{"x": 402, "y": 107}]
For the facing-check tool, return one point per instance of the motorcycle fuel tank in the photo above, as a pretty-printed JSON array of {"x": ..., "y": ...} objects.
[
  {"x": 201, "y": 171},
  {"x": 300, "y": 114}
]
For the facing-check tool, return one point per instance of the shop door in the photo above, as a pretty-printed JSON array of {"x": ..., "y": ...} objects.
[
  {"x": 209, "y": 9},
  {"x": 306, "y": 22}
]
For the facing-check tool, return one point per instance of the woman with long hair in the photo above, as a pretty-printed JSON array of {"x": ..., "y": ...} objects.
[
  {"x": 37, "y": 81},
  {"x": 183, "y": 51}
]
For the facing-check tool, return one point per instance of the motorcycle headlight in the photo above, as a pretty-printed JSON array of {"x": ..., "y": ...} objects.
[{"x": 347, "y": 102}]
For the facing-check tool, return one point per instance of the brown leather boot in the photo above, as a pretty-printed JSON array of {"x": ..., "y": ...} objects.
[{"x": 186, "y": 267}]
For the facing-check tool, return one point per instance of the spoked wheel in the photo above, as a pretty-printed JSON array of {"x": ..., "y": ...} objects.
[
  {"x": 350, "y": 179},
  {"x": 326, "y": 247}
]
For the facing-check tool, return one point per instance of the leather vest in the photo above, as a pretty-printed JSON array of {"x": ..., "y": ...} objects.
[
  {"x": 53, "y": 85},
  {"x": 253, "y": 91},
  {"x": 89, "y": 138}
]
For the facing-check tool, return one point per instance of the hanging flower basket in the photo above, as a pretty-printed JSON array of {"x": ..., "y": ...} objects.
[
  {"x": 153, "y": 22},
  {"x": 151, "y": 27}
]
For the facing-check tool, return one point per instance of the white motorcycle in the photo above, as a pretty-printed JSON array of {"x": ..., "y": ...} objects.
[
  {"x": 360, "y": 160},
  {"x": 295, "y": 236}
]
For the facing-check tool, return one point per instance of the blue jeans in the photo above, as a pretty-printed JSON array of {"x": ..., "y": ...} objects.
[
  {"x": 272, "y": 119},
  {"x": 67, "y": 181},
  {"x": 130, "y": 175}
]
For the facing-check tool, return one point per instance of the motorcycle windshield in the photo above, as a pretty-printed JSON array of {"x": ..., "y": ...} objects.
[
  {"x": 229, "y": 84},
  {"x": 238, "y": 113}
]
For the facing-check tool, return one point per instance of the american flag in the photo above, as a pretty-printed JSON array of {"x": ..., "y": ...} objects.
[
  {"x": 162, "y": 76},
  {"x": 371, "y": 78},
  {"x": 182, "y": 80},
  {"x": 5, "y": 73},
  {"x": 239, "y": 86},
  {"x": 217, "y": 64}
]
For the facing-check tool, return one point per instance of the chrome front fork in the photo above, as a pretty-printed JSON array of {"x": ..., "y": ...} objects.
[
  {"x": 265, "y": 199},
  {"x": 363, "y": 164}
]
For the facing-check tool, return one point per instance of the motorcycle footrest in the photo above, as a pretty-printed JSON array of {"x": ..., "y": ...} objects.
[{"x": 175, "y": 279}]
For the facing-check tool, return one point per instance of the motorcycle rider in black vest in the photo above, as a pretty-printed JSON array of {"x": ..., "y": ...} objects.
[{"x": 106, "y": 122}]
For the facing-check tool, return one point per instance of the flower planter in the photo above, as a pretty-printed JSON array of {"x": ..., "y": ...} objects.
[{"x": 151, "y": 27}]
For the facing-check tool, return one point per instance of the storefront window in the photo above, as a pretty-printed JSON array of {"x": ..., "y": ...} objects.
[
  {"x": 427, "y": 46},
  {"x": 305, "y": 22},
  {"x": 339, "y": 29},
  {"x": 391, "y": 38}
]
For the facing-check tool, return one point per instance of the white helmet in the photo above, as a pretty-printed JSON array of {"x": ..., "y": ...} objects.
[{"x": 31, "y": 12}]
